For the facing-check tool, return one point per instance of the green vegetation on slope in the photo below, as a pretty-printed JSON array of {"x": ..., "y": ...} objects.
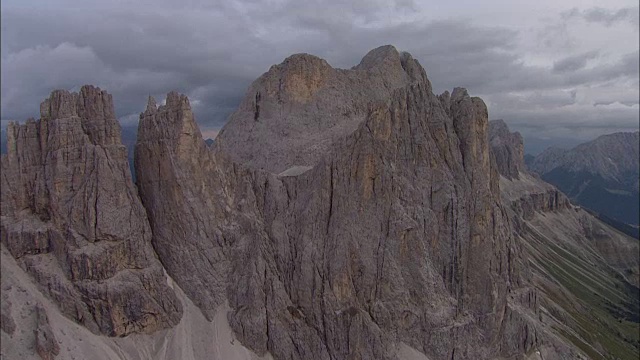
[{"x": 601, "y": 309}]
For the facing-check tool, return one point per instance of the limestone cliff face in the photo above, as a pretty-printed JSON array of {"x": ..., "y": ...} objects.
[
  {"x": 183, "y": 191},
  {"x": 389, "y": 231},
  {"x": 508, "y": 148},
  {"x": 307, "y": 105},
  {"x": 72, "y": 218},
  {"x": 523, "y": 191}
]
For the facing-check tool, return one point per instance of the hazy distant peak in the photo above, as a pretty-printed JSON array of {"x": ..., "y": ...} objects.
[
  {"x": 608, "y": 155},
  {"x": 601, "y": 174}
]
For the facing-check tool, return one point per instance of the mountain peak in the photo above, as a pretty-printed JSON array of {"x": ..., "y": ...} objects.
[
  {"x": 499, "y": 125},
  {"x": 340, "y": 214},
  {"x": 294, "y": 112},
  {"x": 60, "y": 104},
  {"x": 151, "y": 105},
  {"x": 90, "y": 102},
  {"x": 68, "y": 178},
  {"x": 388, "y": 61},
  {"x": 304, "y": 58},
  {"x": 601, "y": 174},
  {"x": 386, "y": 56}
]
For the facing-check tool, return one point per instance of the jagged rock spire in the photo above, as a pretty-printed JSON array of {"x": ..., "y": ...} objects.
[
  {"x": 67, "y": 196},
  {"x": 151, "y": 105}
]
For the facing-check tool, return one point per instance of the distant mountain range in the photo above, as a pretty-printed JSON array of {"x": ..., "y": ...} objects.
[{"x": 601, "y": 174}]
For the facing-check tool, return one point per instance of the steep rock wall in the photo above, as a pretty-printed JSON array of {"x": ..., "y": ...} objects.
[
  {"x": 393, "y": 233},
  {"x": 72, "y": 218}
]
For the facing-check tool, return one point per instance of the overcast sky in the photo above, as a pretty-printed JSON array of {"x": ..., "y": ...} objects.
[{"x": 558, "y": 71}]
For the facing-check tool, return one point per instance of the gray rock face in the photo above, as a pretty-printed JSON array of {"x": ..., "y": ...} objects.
[
  {"x": 294, "y": 113},
  {"x": 508, "y": 148},
  {"x": 46, "y": 345},
  {"x": 392, "y": 231},
  {"x": 72, "y": 218},
  {"x": 183, "y": 191},
  {"x": 520, "y": 189},
  {"x": 7, "y": 324}
]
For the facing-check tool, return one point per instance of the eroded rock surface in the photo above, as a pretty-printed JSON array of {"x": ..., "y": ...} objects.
[
  {"x": 394, "y": 232},
  {"x": 522, "y": 191},
  {"x": 7, "y": 323},
  {"x": 72, "y": 217},
  {"x": 294, "y": 113},
  {"x": 46, "y": 344},
  {"x": 508, "y": 148},
  {"x": 182, "y": 190}
]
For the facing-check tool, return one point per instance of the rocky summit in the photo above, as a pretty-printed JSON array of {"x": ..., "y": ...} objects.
[
  {"x": 72, "y": 218},
  {"x": 340, "y": 214},
  {"x": 392, "y": 236}
]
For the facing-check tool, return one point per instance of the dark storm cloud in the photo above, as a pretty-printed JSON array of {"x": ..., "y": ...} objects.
[
  {"x": 628, "y": 66},
  {"x": 211, "y": 51},
  {"x": 131, "y": 56},
  {"x": 578, "y": 125},
  {"x": 606, "y": 17},
  {"x": 217, "y": 52},
  {"x": 573, "y": 63},
  {"x": 630, "y": 103}
]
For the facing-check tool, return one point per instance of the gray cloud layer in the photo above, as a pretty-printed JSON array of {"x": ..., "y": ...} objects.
[
  {"x": 573, "y": 63},
  {"x": 607, "y": 17},
  {"x": 213, "y": 50}
]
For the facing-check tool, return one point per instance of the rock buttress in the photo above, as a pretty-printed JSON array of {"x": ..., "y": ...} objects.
[
  {"x": 72, "y": 218},
  {"x": 393, "y": 233}
]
